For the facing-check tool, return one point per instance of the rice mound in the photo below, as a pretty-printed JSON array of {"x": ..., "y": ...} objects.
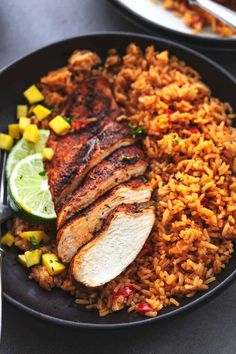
[{"x": 191, "y": 148}]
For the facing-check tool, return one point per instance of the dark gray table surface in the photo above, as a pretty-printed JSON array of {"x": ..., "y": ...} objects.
[{"x": 26, "y": 25}]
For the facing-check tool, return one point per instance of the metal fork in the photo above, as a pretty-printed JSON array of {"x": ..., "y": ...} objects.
[
  {"x": 5, "y": 213},
  {"x": 219, "y": 11}
]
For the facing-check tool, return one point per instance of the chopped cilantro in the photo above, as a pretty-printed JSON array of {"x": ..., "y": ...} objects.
[
  {"x": 144, "y": 179},
  {"x": 21, "y": 177},
  {"x": 70, "y": 119},
  {"x": 136, "y": 131},
  {"x": 33, "y": 241},
  {"x": 126, "y": 158},
  {"x": 174, "y": 137},
  {"x": 42, "y": 173},
  {"x": 154, "y": 203}
]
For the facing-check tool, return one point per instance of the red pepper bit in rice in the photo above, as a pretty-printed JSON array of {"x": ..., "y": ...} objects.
[
  {"x": 169, "y": 112},
  {"x": 125, "y": 292},
  {"x": 194, "y": 130},
  {"x": 143, "y": 308}
]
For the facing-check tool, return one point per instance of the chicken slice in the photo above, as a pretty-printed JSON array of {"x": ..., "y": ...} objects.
[
  {"x": 77, "y": 155},
  {"x": 80, "y": 230},
  {"x": 115, "y": 247},
  {"x": 121, "y": 166}
]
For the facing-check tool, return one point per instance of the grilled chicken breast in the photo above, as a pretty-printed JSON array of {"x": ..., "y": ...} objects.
[
  {"x": 76, "y": 153},
  {"x": 121, "y": 166},
  {"x": 81, "y": 229},
  {"x": 115, "y": 247}
]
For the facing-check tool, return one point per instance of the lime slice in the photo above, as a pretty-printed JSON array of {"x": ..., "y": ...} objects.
[
  {"x": 29, "y": 192},
  {"x": 23, "y": 148}
]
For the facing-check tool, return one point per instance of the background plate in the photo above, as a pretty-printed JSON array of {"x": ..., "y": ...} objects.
[
  {"x": 154, "y": 18},
  {"x": 57, "y": 306}
]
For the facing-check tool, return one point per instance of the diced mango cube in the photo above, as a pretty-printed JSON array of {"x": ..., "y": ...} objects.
[
  {"x": 8, "y": 239},
  {"x": 21, "y": 110},
  {"x": 21, "y": 259},
  {"x": 14, "y": 131},
  {"x": 33, "y": 257},
  {"x": 31, "y": 133},
  {"x": 47, "y": 153},
  {"x": 23, "y": 123},
  {"x": 41, "y": 112},
  {"x": 59, "y": 125},
  {"x": 34, "y": 237},
  {"x": 6, "y": 142},
  {"x": 33, "y": 95},
  {"x": 52, "y": 264}
]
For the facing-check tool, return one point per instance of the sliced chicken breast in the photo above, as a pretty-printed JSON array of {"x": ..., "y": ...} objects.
[
  {"x": 80, "y": 229},
  {"x": 115, "y": 247},
  {"x": 121, "y": 166}
]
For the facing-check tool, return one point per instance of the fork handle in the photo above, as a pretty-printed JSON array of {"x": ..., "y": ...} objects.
[{"x": 219, "y": 11}]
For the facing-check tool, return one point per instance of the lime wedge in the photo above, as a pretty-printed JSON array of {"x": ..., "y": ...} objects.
[
  {"x": 29, "y": 192},
  {"x": 23, "y": 148}
]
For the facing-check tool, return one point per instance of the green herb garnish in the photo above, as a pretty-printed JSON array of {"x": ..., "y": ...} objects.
[
  {"x": 144, "y": 179},
  {"x": 154, "y": 203},
  {"x": 70, "y": 119},
  {"x": 126, "y": 158},
  {"x": 33, "y": 242},
  {"x": 174, "y": 137},
  {"x": 42, "y": 173},
  {"x": 136, "y": 131},
  {"x": 108, "y": 206}
]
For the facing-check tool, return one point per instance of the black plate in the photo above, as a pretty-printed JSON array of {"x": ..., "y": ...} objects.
[
  {"x": 196, "y": 41},
  {"x": 57, "y": 306}
]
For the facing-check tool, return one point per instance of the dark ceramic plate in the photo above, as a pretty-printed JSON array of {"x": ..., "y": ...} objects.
[
  {"x": 154, "y": 19},
  {"x": 57, "y": 306}
]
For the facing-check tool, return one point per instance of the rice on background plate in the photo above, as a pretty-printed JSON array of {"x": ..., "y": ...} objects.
[
  {"x": 191, "y": 148},
  {"x": 197, "y": 19}
]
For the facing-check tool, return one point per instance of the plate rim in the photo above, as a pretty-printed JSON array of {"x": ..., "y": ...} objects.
[
  {"x": 225, "y": 43},
  {"x": 193, "y": 303}
]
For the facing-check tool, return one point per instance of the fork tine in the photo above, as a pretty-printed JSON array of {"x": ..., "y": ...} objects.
[{"x": 3, "y": 165}]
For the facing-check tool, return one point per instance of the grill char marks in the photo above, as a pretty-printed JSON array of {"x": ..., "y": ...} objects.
[
  {"x": 80, "y": 230},
  {"x": 119, "y": 167},
  {"x": 76, "y": 153},
  {"x": 93, "y": 97}
]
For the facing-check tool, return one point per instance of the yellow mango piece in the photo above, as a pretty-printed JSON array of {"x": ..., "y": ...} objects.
[
  {"x": 31, "y": 133},
  {"x": 23, "y": 123},
  {"x": 32, "y": 257},
  {"x": 33, "y": 95},
  {"x": 34, "y": 236},
  {"x": 59, "y": 125},
  {"x": 41, "y": 112},
  {"x": 21, "y": 259},
  {"x": 52, "y": 264},
  {"x": 21, "y": 110},
  {"x": 14, "y": 131},
  {"x": 6, "y": 142},
  {"x": 47, "y": 153},
  {"x": 8, "y": 239}
]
